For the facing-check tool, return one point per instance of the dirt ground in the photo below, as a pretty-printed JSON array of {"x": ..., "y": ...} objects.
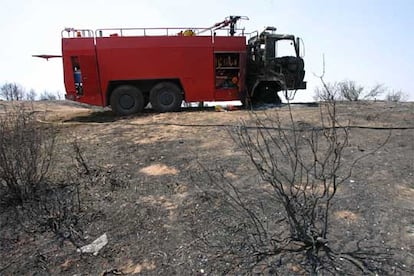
[{"x": 151, "y": 212}]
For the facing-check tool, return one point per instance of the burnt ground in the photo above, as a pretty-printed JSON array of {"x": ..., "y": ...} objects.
[{"x": 149, "y": 196}]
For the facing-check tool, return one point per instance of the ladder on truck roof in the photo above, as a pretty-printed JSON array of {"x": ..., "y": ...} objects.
[
  {"x": 76, "y": 33},
  {"x": 229, "y": 22}
]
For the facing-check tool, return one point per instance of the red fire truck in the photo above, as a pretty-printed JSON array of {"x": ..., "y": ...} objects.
[{"x": 128, "y": 68}]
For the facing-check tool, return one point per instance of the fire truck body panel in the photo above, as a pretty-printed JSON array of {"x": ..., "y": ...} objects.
[
  {"x": 106, "y": 62},
  {"x": 158, "y": 58}
]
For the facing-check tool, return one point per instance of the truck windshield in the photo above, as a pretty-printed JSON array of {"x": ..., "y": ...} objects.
[{"x": 284, "y": 47}]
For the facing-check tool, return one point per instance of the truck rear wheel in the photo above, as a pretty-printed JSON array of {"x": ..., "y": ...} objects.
[
  {"x": 166, "y": 97},
  {"x": 127, "y": 100}
]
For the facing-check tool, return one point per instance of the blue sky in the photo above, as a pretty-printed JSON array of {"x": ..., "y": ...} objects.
[{"x": 367, "y": 41}]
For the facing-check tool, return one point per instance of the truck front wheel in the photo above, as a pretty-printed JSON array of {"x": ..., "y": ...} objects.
[
  {"x": 166, "y": 97},
  {"x": 265, "y": 94},
  {"x": 127, "y": 100}
]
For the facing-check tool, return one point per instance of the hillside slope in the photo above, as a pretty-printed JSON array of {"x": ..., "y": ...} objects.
[{"x": 156, "y": 209}]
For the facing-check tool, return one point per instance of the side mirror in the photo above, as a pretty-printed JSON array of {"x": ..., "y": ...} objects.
[
  {"x": 300, "y": 47},
  {"x": 297, "y": 47}
]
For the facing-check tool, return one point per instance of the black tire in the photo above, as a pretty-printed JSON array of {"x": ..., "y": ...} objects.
[
  {"x": 166, "y": 97},
  {"x": 265, "y": 95},
  {"x": 127, "y": 100}
]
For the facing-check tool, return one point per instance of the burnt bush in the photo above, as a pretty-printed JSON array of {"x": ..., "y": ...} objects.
[
  {"x": 39, "y": 198},
  {"x": 26, "y": 151},
  {"x": 347, "y": 90},
  {"x": 283, "y": 222},
  {"x": 12, "y": 92},
  {"x": 55, "y": 208},
  {"x": 395, "y": 96}
]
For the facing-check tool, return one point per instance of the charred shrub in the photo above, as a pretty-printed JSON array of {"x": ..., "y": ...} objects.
[
  {"x": 38, "y": 200},
  {"x": 26, "y": 150},
  {"x": 282, "y": 223},
  {"x": 55, "y": 208}
]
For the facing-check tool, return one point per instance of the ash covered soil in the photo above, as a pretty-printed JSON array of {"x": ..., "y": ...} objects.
[{"x": 153, "y": 207}]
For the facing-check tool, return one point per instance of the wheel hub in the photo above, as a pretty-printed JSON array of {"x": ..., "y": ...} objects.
[
  {"x": 126, "y": 101},
  {"x": 166, "y": 98}
]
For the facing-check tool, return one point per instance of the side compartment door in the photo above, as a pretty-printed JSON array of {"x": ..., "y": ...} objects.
[
  {"x": 228, "y": 77},
  {"x": 81, "y": 71},
  {"x": 90, "y": 79}
]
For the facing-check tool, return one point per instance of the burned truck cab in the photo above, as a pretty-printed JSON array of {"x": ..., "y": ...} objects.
[{"x": 274, "y": 64}]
